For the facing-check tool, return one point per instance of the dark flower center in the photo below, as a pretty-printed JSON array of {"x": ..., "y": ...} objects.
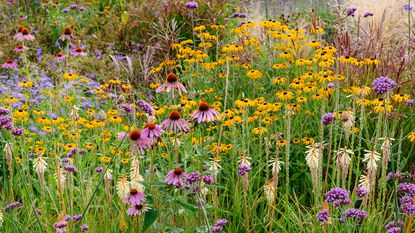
[
  {"x": 174, "y": 115},
  {"x": 139, "y": 207},
  {"x": 20, "y": 28},
  {"x": 25, "y": 31},
  {"x": 172, "y": 78},
  {"x": 203, "y": 107},
  {"x": 59, "y": 55},
  {"x": 20, "y": 47},
  {"x": 78, "y": 49},
  {"x": 135, "y": 135},
  {"x": 178, "y": 171},
  {"x": 9, "y": 61},
  {"x": 150, "y": 126},
  {"x": 67, "y": 31},
  {"x": 133, "y": 191}
]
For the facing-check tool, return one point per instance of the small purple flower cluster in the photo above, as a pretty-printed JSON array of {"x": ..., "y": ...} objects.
[
  {"x": 383, "y": 84},
  {"x": 239, "y": 15},
  {"x": 407, "y": 7},
  {"x": 395, "y": 175},
  {"x": 146, "y": 107},
  {"x": 337, "y": 196},
  {"x": 407, "y": 188},
  {"x": 70, "y": 168},
  {"x": 12, "y": 206},
  {"x": 191, "y": 5},
  {"x": 323, "y": 216},
  {"x": 361, "y": 192},
  {"x": 351, "y": 11},
  {"x": 192, "y": 181},
  {"x": 353, "y": 212},
  {"x": 243, "y": 169},
  {"x": 6, "y": 123},
  {"x": 392, "y": 228},
  {"x": 327, "y": 119},
  {"x": 368, "y": 14},
  {"x": 59, "y": 226},
  {"x": 220, "y": 223}
]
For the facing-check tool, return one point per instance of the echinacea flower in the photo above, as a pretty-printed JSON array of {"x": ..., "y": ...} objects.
[
  {"x": 138, "y": 141},
  {"x": 205, "y": 113},
  {"x": 175, "y": 123},
  {"x": 24, "y": 35},
  {"x": 10, "y": 64},
  {"x": 171, "y": 84},
  {"x": 175, "y": 177},
  {"x": 78, "y": 51},
  {"x": 134, "y": 197},
  {"x": 137, "y": 209},
  {"x": 59, "y": 57},
  {"x": 152, "y": 131},
  {"x": 67, "y": 34},
  {"x": 20, "y": 48}
]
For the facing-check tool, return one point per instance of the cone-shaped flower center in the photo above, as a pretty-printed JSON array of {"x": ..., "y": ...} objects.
[
  {"x": 67, "y": 31},
  {"x": 174, "y": 115},
  {"x": 9, "y": 61},
  {"x": 78, "y": 49},
  {"x": 135, "y": 135},
  {"x": 20, "y": 28},
  {"x": 178, "y": 171},
  {"x": 172, "y": 78},
  {"x": 151, "y": 126},
  {"x": 25, "y": 31},
  {"x": 133, "y": 191},
  {"x": 203, "y": 106},
  {"x": 139, "y": 207}
]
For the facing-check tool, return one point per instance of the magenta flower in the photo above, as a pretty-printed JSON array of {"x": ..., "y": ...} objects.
[
  {"x": 175, "y": 123},
  {"x": 20, "y": 48},
  {"x": 152, "y": 131},
  {"x": 138, "y": 141},
  {"x": 24, "y": 35},
  {"x": 9, "y": 64},
  {"x": 175, "y": 177},
  {"x": 137, "y": 210},
  {"x": 78, "y": 51},
  {"x": 59, "y": 57},
  {"x": 205, "y": 113},
  {"x": 171, "y": 84},
  {"x": 135, "y": 197}
]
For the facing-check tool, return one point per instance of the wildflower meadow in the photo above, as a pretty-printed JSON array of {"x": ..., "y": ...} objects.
[{"x": 207, "y": 116}]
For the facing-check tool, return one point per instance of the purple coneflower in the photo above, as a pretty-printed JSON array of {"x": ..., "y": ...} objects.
[
  {"x": 383, "y": 84},
  {"x": 137, "y": 210},
  {"x": 20, "y": 48},
  {"x": 24, "y": 35},
  {"x": 171, "y": 84},
  {"x": 67, "y": 34},
  {"x": 175, "y": 177},
  {"x": 205, "y": 113},
  {"x": 135, "y": 197},
  {"x": 59, "y": 57},
  {"x": 175, "y": 123},
  {"x": 78, "y": 51},
  {"x": 152, "y": 131},
  {"x": 138, "y": 141},
  {"x": 10, "y": 64}
]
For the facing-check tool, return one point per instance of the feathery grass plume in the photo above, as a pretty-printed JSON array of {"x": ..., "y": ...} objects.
[
  {"x": 135, "y": 177},
  {"x": 74, "y": 113},
  {"x": 9, "y": 161},
  {"x": 343, "y": 161},
  {"x": 1, "y": 217},
  {"x": 123, "y": 186},
  {"x": 313, "y": 158},
  {"x": 40, "y": 166},
  {"x": 348, "y": 122},
  {"x": 386, "y": 148},
  {"x": 107, "y": 184}
]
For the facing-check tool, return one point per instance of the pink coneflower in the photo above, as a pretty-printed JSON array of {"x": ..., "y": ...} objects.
[
  {"x": 175, "y": 123},
  {"x": 59, "y": 57},
  {"x": 205, "y": 113},
  {"x": 67, "y": 34},
  {"x": 175, "y": 177},
  {"x": 152, "y": 131},
  {"x": 135, "y": 197},
  {"x": 78, "y": 51},
  {"x": 170, "y": 84},
  {"x": 20, "y": 48},
  {"x": 137, "y": 210},
  {"x": 24, "y": 35},
  {"x": 9, "y": 64},
  {"x": 138, "y": 141}
]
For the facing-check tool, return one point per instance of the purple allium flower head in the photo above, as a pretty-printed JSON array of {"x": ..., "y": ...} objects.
[
  {"x": 407, "y": 7},
  {"x": 323, "y": 215},
  {"x": 352, "y": 212},
  {"x": 61, "y": 224},
  {"x": 77, "y": 218},
  {"x": 361, "y": 192},
  {"x": 17, "y": 131},
  {"x": 208, "y": 179},
  {"x": 410, "y": 102},
  {"x": 191, "y": 5},
  {"x": 193, "y": 177},
  {"x": 408, "y": 208},
  {"x": 243, "y": 169},
  {"x": 351, "y": 10},
  {"x": 407, "y": 188},
  {"x": 327, "y": 119},
  {"x": 383, "y": 84},
  {"x": 84, "y": 228},
  {"x": 368, "y": 14},
  {"x": 338, "y": 196}
]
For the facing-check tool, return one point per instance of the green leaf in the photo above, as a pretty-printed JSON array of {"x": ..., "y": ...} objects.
[
  {"x": 186, "y": 205},
  {"x": 149, "y": 218}
]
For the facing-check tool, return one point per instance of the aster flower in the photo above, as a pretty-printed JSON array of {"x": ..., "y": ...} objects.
[
  {"x": 10, "y": 64},
  {"x": 152, "y": 131},
  {"x": 175, "y": 177},
  {"x": 383, "y": 84},
  {"x": 175, "y": 123},
  {"x": 171, "y": 84},
  {"x": 138, "y": 141},
  {"x": 134, "y": 197},
  {"x": 137, "y": 209},
  {"x": 205, "y": 113}
]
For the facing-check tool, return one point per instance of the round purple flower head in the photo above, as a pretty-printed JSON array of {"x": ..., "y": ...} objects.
[
  {"x": 193, "y": 177},
  {"x": 17, "y": 131},
  {"x": 84, "y": 228},
  {"x": 327, "y": 119},
  {"x": 4, "y": 111},
  {"x": 350, "y": 11},
  {"x": 408, "y": 208},
  {"x": 243, "y": 169},
  {"x": 407, "y": 188},
  {"x": 383, "y": 84},
  {"x": 361, "y": 192},
  {"x": 323, "y": 216},
  {"x": 338, "y": 196},
  {"x": 407, "y": 7},
  {"x": 192, "y": 5},
  {"x": 368, "y": 14},
  {"x": 410, "y": 102},
  {"x": 352, "y": 212}
]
